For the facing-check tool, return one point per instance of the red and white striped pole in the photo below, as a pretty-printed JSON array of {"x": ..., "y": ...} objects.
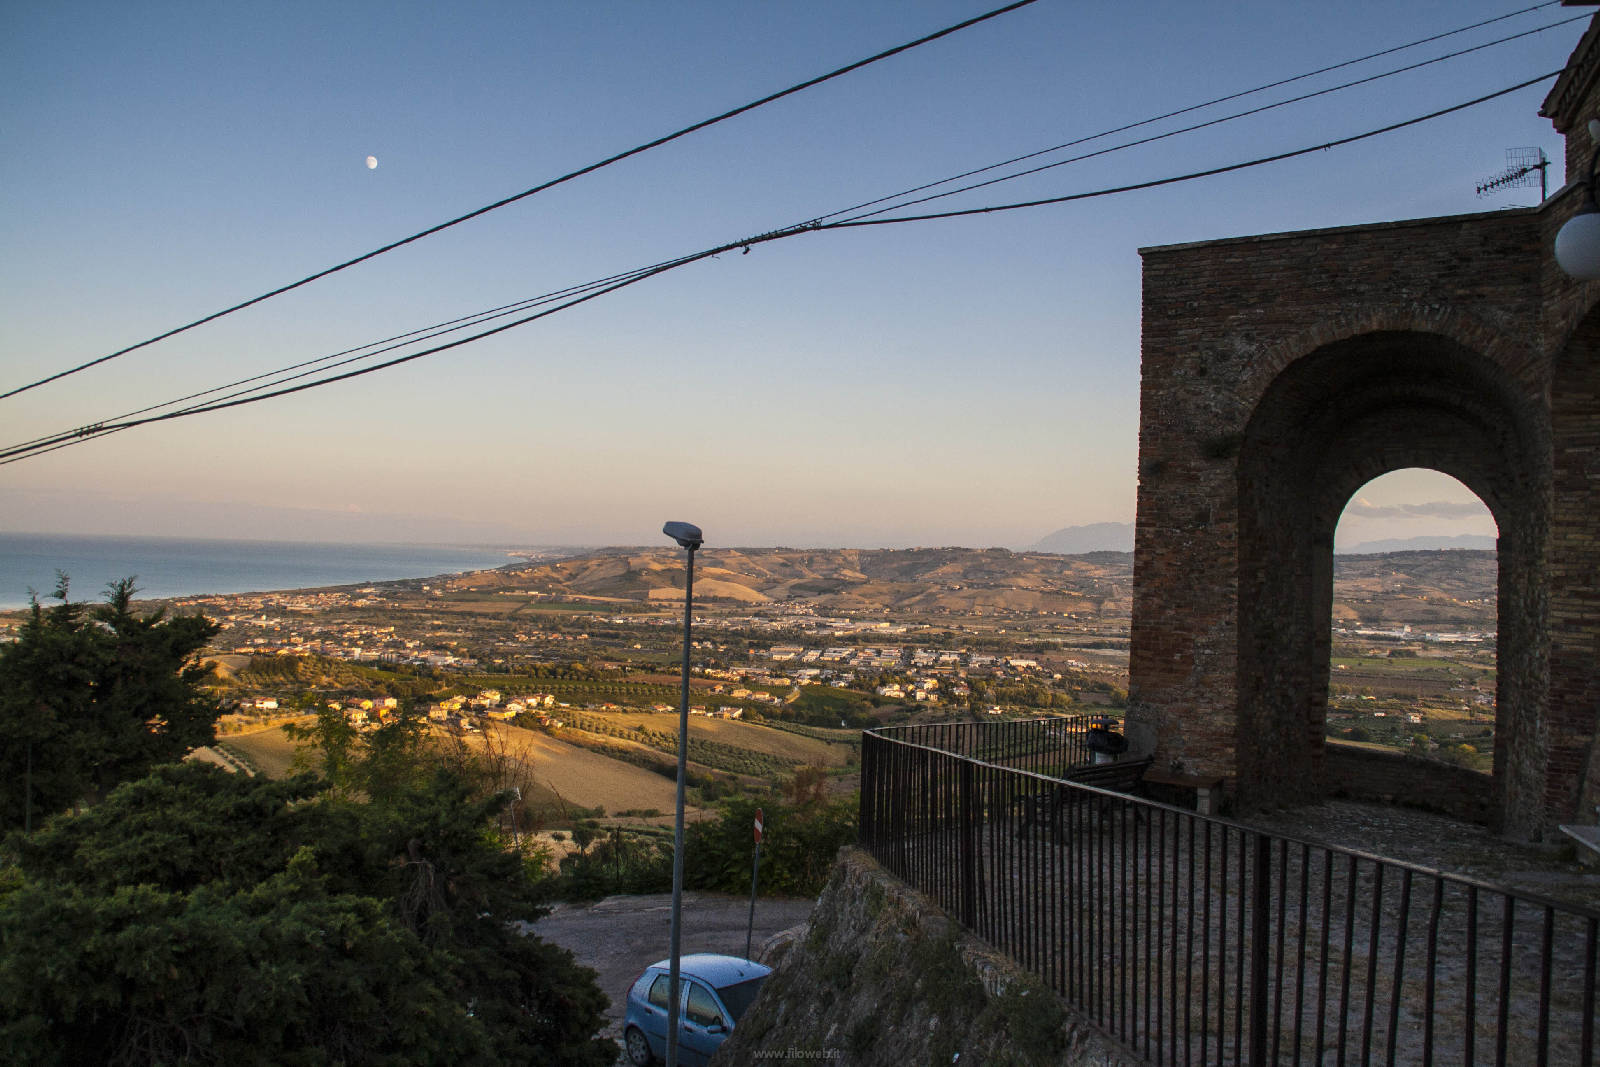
[{"x": 755, "y": 870}]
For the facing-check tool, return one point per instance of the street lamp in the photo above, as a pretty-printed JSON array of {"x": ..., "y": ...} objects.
[
  {"x": 1578, "y": 241},
  {"x": 688, "y": 536}
]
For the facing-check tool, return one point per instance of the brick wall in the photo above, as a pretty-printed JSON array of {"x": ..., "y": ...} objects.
[
  {"x": 1279, "y": 374},
  {"x": 1282, "y": 372}
]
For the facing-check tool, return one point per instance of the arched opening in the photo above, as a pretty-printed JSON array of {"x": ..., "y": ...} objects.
[
  {"x": 1331, "y": 422},
  {"x": 1414, "y": 625}
]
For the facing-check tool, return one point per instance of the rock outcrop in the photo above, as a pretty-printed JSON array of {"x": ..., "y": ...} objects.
[{"x": 883, "y": 977}]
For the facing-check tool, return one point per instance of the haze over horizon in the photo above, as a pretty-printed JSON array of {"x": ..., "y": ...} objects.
[
  {"x": 966, "y": 382},
  {"x": 1366, "y": 524}
]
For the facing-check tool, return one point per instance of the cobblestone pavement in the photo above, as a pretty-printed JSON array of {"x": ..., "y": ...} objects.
[
  {"x": 1441, "y": 844},
  {"x": 1144, "y": 920}
]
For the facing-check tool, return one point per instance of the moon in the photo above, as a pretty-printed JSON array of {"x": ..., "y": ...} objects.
[{"x": 372, "y": 162}]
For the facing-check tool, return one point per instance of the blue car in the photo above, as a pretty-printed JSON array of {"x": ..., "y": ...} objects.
[{"x": 715, "y": 992}]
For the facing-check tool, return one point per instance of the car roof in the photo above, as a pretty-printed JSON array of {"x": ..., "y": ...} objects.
[{"x": 718, "y": 970}]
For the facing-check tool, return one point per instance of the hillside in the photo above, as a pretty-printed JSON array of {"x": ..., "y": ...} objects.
[
  {"x": 1437, "y": 588},
  {"x": 840, "y": 581},
  {"x": 571, "y": 774},
  {"x": 1454, "y": 588}
]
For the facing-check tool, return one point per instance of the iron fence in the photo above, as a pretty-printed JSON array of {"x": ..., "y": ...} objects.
[{"x": 1196, "y": 940}]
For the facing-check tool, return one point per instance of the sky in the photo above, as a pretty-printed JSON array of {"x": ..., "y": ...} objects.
[{"x": 970, "y": 381}]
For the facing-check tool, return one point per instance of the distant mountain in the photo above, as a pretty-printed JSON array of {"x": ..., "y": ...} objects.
[
  {"x": 1095, "y": 537},
  {"x": 1419, "y": 544},
  {"x": 1431, "y": 589},
  {"x": 1118, "y": 537},
  {"x": 837, "y": 581}
]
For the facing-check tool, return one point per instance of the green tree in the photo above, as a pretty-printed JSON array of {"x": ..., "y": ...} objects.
[
  {"x": 799, "y": 845},
  {"x": 90, "y": 697},
  {"x": 202, "y": 917}
]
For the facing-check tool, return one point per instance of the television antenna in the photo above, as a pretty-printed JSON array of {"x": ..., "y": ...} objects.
[{"x": 1521, "y": 164}]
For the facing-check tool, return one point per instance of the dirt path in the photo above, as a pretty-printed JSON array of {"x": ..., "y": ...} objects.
[{"x": 620, "y": 936}]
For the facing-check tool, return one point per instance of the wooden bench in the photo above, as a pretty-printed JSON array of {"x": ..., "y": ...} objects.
[
  {"x": 1050, "y": 807},
  {"x": 1123, "y": 776}
]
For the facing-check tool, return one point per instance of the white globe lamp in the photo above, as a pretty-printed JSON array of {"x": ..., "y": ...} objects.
[{"x": 1578, "y": 241}]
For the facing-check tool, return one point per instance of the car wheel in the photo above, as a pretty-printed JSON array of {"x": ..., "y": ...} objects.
[{"x": 638, "y": 1048}]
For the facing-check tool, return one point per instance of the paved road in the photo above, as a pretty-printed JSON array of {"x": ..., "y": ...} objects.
[{"x": 620, "y": 936}]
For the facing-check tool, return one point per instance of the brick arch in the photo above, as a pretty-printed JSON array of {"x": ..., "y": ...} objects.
[
  {"x": 1496, "y": 350},
  {"x": 1328, "y": 421},
  {"x": 1520, "y": 362}
]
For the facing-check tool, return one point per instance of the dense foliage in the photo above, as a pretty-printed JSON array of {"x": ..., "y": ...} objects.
[
  {"x": 798, "y": 846},
  {"x": 305, "y": 673},
  {"x": 197, "y": 916},
  {"x": 90, "y": 697},
  {"x": 803, "y": 834},
  {"x": 368, "y": 913},
  {"x": 827, "y": 706}
]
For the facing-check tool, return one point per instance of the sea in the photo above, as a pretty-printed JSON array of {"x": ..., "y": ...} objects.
[{"x": 165, "y": 567}]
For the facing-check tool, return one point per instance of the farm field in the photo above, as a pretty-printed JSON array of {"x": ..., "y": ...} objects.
[
  {"x": 270, "y": 751},
  {"x": 577, "y": 776},
  {"x": 806, "y": 750},
  {"x": 588, "y": 779},
  {"x": 1408, "y": 665}
]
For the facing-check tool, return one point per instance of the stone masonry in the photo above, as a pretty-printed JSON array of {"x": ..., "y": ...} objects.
[{"x": 1280, "y": 373}]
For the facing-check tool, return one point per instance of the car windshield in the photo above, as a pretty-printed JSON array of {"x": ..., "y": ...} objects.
[{"x": 739, "y": 997}]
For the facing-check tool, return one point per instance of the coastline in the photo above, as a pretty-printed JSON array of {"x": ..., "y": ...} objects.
[{"x": 167, "y": 568}]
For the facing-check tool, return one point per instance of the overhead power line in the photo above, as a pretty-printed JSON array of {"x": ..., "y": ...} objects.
[
  {"x": 759, "y": 103},
  {"x": 346, "y": 356},
  {"x": 552, "y": 183},
  {"x": 294, "y": 372},
  {"x": 19, "y": 452},
  {"x": 1169, "y": 133},
  {"x": 1232, "y": 96},
  {"x": 1192, "y": 175}
]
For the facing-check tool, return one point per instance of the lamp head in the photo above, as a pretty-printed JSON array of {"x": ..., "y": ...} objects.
[
  {"x": 1578, "y": 243},
  {"x": 686, "y": 534}
]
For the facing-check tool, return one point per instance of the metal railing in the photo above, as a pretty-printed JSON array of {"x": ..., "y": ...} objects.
[{"x": 1197, "y": 940}]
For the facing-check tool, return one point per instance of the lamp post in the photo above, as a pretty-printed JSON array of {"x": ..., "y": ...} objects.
[
  {"x": 1578, "y": 240},
  {"x": 688, "y": 536}
]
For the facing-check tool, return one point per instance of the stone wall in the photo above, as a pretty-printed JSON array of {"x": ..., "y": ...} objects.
[
  {"x": 1279, "y": 374},
  {"x": 884, "y": 978},
  {"x": 1397, "y": 778}
]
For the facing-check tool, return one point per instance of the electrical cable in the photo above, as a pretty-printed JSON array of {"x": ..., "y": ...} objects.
[
  {"x": 847, "y": 224},
  {"x": 591, "y": 168},
  {"x": 390, "y": 344},
  {"x": 1181, "y": 130},
  {"x": 765, "y": 100},
  {"x": 376, "y": 348},
  {"x": 284, "y": 375},
  {"x": 366, "y": 351},
  {"x": 1212, "y": 103},
  {"x": 18, "y": 453},
  {"x": 76, "y": 436}
]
